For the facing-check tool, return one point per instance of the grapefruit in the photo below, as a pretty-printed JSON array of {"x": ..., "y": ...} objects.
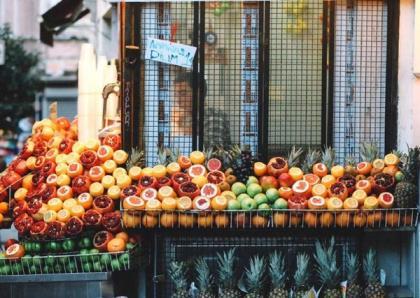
[
  {"x": 134, "y": 173},
  {"x": 184, "y": 203},
  {"x": 301, "y": 187},
  {"x": 85, "y": 200},
  {"x": 316, "y": 202},
  {"x": 364, "y": 185},
  {"x": 64, "y": 192},
  {"x": 320, "y": 169},
  {"x": 197, "y": 157},
  {"x": 149, "y": 194},
  {"x": 371, "y": 202},
  {"x": 312, "y": 179},
  {"x": 214, "y": 164},
  {"x": 184, "y": 162},
  {"x": 201, "y": 203},
  {"x": 75, "y": 169},
  {"x": 364, "y": 167},
  {"x": 391, "y": 159},
  {"x": 153, "y": 207},
  {"x": 319, "y": 190},
  {"x": 386, "y": 200},
  {"x": 52, "y": 180},
  {"x": 219, "y": 203},
  {"x": 173, "y": 168},
  {"x": 105, "y": 152},
  {"x": 197, "y": 170},
  {"x": 165, "y": 192},
  {"x": 209, "y": 190},
  {"x": 15, "y": 251},
  {"x": 296, "y": 173},
  {"x": 133, "y": 203},
  {"x": 328, "y": 180},
  {"x": 96, "y": 173},
  {"x": 360, "y": 195}
]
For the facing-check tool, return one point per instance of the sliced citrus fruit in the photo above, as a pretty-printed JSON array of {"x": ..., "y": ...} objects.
[
  {"x": 110, "y": 166},
  {"x": 118, "y": 172},
  {"x": 184, "y": 203},
  {"x": 134, "y": 173},
  {"x": 123, "y": 181},
  {"x": 173, "y": 168},
  {"x": 334, "y": 203},
  {"x": 312, "y": 179},
  {"x": 337, "y": 171},
  {"x": 78, "y": 147},
  {"x": 184, "y": 162},
  {"x": 320, "y": 169},
  {"x": 168, "y": 204},
  {"x": 51, "y": 154},
  {"x": 296, "y": 173},
  {"x": 52, "y": 180},
  {"x": 73, "y": 157},
  {"x": 159, "y": 171},
  {"x": 108, "y": 181},
  {"x": 92, "y": 144},
  {"x": 61, "y": 168},
  {"x": 96, "y": 189},
  {"x": 199, "y": 181},
  {"x": 316, "y": 202},
  {"x": 364, "y": 185},
  {"x": 54, "y": 142},
  {"x": 153, "y": 206},
  {"x": 214, "y": 164},
  {"x": 50, "y": 216},
  {"x": 120, "y": 157},
  {"x": 319, "y": 190},
  {"x": 378, "y": 164},
  {"x": 165, "y": 192},
  {"x": 351, "y": 203},
  {"x": 149, "y": 194},
  {"x": 147, "y": 171},
  {"x": 301, "y": 187},
  {"x": 201, "y": 203},
  {"x": 260, "y": 168},
  {"x": 61, "y": 158},
  {"x": 114, "y": 192},
  {"x": 74, "y": 169},
  {"x": 285, "y": 192},
  {"x": 105, "y": 152},
  {"x": 20, "y": 194},
  {"x": 364, "y": 167},
  {"x": 391, "y": 159},
  {"x": 67, "y": 204},
  {"x": 197, "y": 170},
  {"x": 328, "y": 180},
  {"x": 386, "y": 200},
  {"x": 64, "y": 192},
  {"x": 210, "y": 190},
  {"x": 219, "y": 203},
  {"x": 371, "y": 202},
  {"x": 96, "y": 173},
  {"x": 133, "y": 203},
  {"x": 63, "y": 179},
  {"x": 77, "y": 210},
  {"x": 230, "y": 195},
  {"x": 55, "y": 204},
  {"x": 85, "y": 200},
  {"x": 197, "y": 157},
  {"x": 360, "y": 195},
  {"x": 63, "y": 215}
]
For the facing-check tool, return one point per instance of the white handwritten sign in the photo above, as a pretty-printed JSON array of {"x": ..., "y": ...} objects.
[
  {"x": 2, "y": 52},
  {"x": 169, "y": 52}
]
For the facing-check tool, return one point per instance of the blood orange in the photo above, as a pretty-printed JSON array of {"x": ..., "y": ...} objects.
[
  {"x": 75, "y": 169},
  {"x": 320, "y": 169},
  {"x": 214, "y": 164},
  {"x": 184, "y": 162},
  {"x": 52, "y": 180},
  {"x": 201, "y": 203},
  {"x": 364, "y": 167},
  {"x": 210, "y": 190},
  {"x": 133, "y": 203},
  {"x": 216, "y": 177},
  {"x": 96, "y": 173},
  {"x": 15, "y": 251},
  {"x": 197, "y": 170},
  {"x": 148, "y": 194},
  {"x": 301, "y": 187},
  {"x": 312, "y": 179},
  {"x": 386, "y": 200},
  {"x": 364, "y": 185},
  {"x": 105, "y": 152}
]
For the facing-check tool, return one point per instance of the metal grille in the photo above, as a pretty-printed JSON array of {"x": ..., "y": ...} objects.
[
  {"x": 359, "y": 75},
  {"x": 189, "y": 248}
]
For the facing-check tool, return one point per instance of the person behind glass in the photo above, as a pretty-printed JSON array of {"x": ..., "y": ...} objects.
[{"x": 216, "y": 123}]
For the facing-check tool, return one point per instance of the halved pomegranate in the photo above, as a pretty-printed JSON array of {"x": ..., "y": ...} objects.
[
  {"x": 112, "y": 221},
  {"x": 74, "y": 226},
  {"x": 297, "y": 202},
  {"x": 12, "y": 179},
  {"x": 383, "y": 182},
  {"x": 47, "y": 192},
  {"x": 178, "y": 179},
  {"x": 101, "y": 239},
  {"x": 216, "y": 177},
  {"x": 188, "y": 189},
  {"x": 9, "y": 242},
  {"x": 92, "y": 218},
  {"x": 34, "y": 204},
  {"x": 23, "y": 223},
  {"x": 131, "y": 190},
  {"x": 214, "y": 164},
  {"x": 89, "y": 159},
  {"x": 277, "y": 166},
  {"x": 27, "y": 150},
  {"x": 349, "y": 181},
  {"x": 20, "y": 207},
  {"x": 80, "y": 184},
  {"x": 164, "y": 181},
  {"x": 103, "y": 204},
  {"x": 38, "y": 229},
  {"x": 147, "y": 181},
  {"x": 48, "y": 168},
  {"x": 113, "y": 141},
  {"x": 15, "y": 251},
  {"x": 40, "y": 149},
  {"x": 66, "y": 146},
  {"x": 39, "y": 162},
  {"x": 19, "y": 166},
  {"x": 56, "y": 230},
  {"x": 339, "y": 190}
]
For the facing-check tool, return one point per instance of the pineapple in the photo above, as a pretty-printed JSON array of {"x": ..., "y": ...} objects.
[
  {"x": 177, "y": 274},
  {"x": 277, "y": 271},
  {"x": 369, "y": 151},
  {"x": 136, "y": 158},
  {"x": 163, "y": 156},
  {"x": 293, "y": 158},
  {"x": 302, "y": 275},
  {"x": 328, "y": 157},
  {"x": 312, "y": 157},
  {"x": 204, "y": 279},
  {"x": 328, "y": 272},
  {"x": 374, "y": 289},
  {"x": 226, "y": 274},
  {"x": 254, "y": 277},
  {"x": 350, "y": 167},
  {"x": 354, "y": 290},
  {"x": 406, "y": 191}
]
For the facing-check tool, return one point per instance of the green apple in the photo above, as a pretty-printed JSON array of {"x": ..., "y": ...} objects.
[
  {"x": 242, "y": 196},
  {"x": 253, "y": 189},
  {"x": 261, "y": 199},
  {"x": 251, "y": 179},
  {"x": 238, "y": 188},
  {"x": 234, "y": 205},
  {"x": 265, "y": 208},
  {"x": 280, "y": 204},
  {"x": 248, "y": 204},
  {"x": 272, "y": 194}
]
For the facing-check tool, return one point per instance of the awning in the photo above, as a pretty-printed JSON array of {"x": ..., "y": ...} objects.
[{"x": 59, "y": 17}]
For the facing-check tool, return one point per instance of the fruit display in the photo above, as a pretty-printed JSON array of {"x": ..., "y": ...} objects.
[{"x": 316, "y": 273}]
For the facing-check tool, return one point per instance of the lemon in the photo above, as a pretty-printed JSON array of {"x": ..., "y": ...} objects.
[
  {"x": 50, "y": 216},
  {"x": 69, "y": 203},
  {"x": 55, "y": 204}
]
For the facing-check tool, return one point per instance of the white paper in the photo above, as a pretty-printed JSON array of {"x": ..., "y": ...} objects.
[
  {"x": 170, "y": 52},
  {"x": 2, "y": 52}
]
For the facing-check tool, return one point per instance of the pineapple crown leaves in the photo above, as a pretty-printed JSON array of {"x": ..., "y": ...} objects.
[
  {"x": 302, "y": 274},
  {"x": 205, "y": 279},
  {"x": 136, "y": 158},
  {"x": 352, "y": 268},
  {"x": 350, "y": 161},
  {"x": 226, "y": 269},
  {"x": 254, "y": 275},
  {"x": 369, "y": 151},
  {"x": 166, "y": 155},
  {"x": 328, "y": 157},
  {"x": 326, "y": 259},
  {"x": 293, "y": 158},
  {"x": 177, "y": 274},
  {"x": 277, "y": 269},
  {"x": 410, "y": 163},
  {"x": 370, "y": 267},
  {"x": 312, "y": 157}
]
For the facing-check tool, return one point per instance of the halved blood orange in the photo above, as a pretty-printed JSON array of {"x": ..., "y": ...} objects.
[
  {"x": 168, "y": 204},
  {"x": 51, "y": 154},
  {"x": 391, "y": 159},
  {"x": 96, "y": 173},
  {"x": 201, "y": 203},
  {"x": 133, "y": 203},
  {"x": 328, "y": 180},
  {"x": 210, "y": 190},
  {"x": 214, "y": 164},
  {"x": 153, "y": 207},
  {"x": 64, "y": 192},
  {"x": 319, "y": 190},
  {"x": 219, "y": 203},
  {"x": 216, "y": 177},
  {"x": 85, "y": 200},
  {"x": 15, "y": 251},
  {"x": 166, "y": 192},
  {"x": 320, "y": 169},
  {"x": 285, "y": 192},
  {"x": 371, "y": 202},
  {"x": 316, "y": 202},
  {"x": 184, "y": 162},
  {"x": 52, "y": 180},
  {"x": 364, "y": 185},
  {"x": 386, "y": 200},
  {"x": 351, "y": 203},
  {"x": 301, "y": 187},
  {"x": 149, "y": 194},
  {"x": 364, "y": 167},
  {"x": 75, "y": 169},
  {"x": 197, "y": 170},
  {"x": 105, "y": 152},
  {"x": 312, "y": 179},
  {"x": 334, "y": 203},
  {"x": 184, "y": 203}
]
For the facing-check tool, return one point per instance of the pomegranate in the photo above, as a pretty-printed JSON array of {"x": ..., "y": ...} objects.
[
  {"x": 339, "y": 190},
  {"x": 277, "y": 166},
  {"x": 113, "y": 141},
  {"x": 267, "y": 182},
  {"x": 40, "y": 148},
  {"x": 188, "y": 189},
  {"x": 349, "y": 181},
  {"x": 89, "y": 159},
  {"x": 101, "y": 239},
  {"x": 164, "y": 181},
  {"x": 80, "y": 184},
  {"x": 66, "y": 146},
  {"x": 38, "y": 229},
  {"x": 56, "y": 230},
  {"x": 23, "y": 223},
  {"x": 103, "y": 204},
  {"x": 178, "y": 179},
  {"x": 147, "y": 181},
  {"x": 27, "y": 150},
  {"x": 216, "y": 177},
  {"x": 131, "y": 190},
  {"x": 19, "y": 208},
  {"x": 48, "y": 168},
  {"x": 74, "y": 226},
  {"x": 112, "y": 221},
  {"x": 19, "y": 166},
  {"x": 11, "y": 179},
  {"x": 297, "y": 202},
  {"x": 92, "y": 218},
  {"x": 383, "y": 182}
]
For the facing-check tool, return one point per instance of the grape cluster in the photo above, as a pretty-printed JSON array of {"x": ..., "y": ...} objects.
[{"x": 243, "y": 165}]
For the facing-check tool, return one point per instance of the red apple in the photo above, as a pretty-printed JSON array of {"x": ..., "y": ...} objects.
[
  {"x": 267, "y": 182},
  {"x": 286, "y": 180}
]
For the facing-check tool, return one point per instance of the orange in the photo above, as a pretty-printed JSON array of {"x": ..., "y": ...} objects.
[
  {"x": 311, "y": 219},
  {"x": 131, "y": 220},
  {"x": 391, "y": 159},
  {"x": 221, "y": 220},
  {"x": 92, "y": 144},
  {"x": 364, "y": 167},
  {"x": 320, "y": 169},
  {"x": 64, "y": 192},
  {"x": 319, "y": 190},
  {"x": 169, "y": 204},
  {"x": 360, "y": 195},
  {"x": 114, "y": 192},
  {"x": 184, "y": 203},
  {"x": 199, "y": 181},
  {"x": 285, "y": 192},
  {"x": 147, "y": 171},
  {"x": 168, "y": 220},
  {"x": 69, "y": 203},
  {"x": 337, "y": 171},
  {"x": 72, "y": 157},
  {"x": 78, "y": 147},
  {"x": 334, "y": 203},
  {"x": 301, "y": 187},
  {"x": 326, "y": 219},
  {"x": 312, "y": 179},
  {"x": 165, "y": 192},
  {"x": 184, "y": 162},
  {"x": 328, "y": 180},
  {"x": 96, "y": 189},
  {"x": 296, "y": 173},
  {"x": 159, "y": 171},
  {"x": 378, "y": 164},
  {"x": 351, "y": 203},
  {"x": 61, "y": 169},
  {"x": 123, "y": 181},
  {"x": 197, "y": 157},
  {"x": 108, "y": 181},
  {"x": 153, "y": 207},
  {"x": 61, "y": 158},
  {"x": 74, "y": 169},
  {"x": 343, "y": 220},
  {"x": 260, "y": 168},
  {"x": 51, "y": 154},
  {"x": 186, "y": 220},
  {"x": 280, "y": 219},
  {"x": 77, "y": 210},
  {"x": 219, "y": 203},
  {"x": 364, "y": 185},
  {"x": 4, "y": 208},
  {"x": 120, "y": 157},
  {"x": 134, "y": 173},
  {"x": 391, "y": 170},
  {"x": 123, "y": 236},
  {"x": 27, "y": 182},
  {"x": 133, "y": 203},
  {"x": 359, "y": 219},
  {"x": 116, "y": 245},
  {"x": 85, "y": 200},
  {"x": 371, "y": 202},
  {"x": 109, "y": 166},
  {"x": 30, "y": 162},
  {"x": 20, "y": 194},
  {"x": 63, "y": 180},
  {"x": 50, "y": 216},
  {"x": 118, "y": 172},
  {"x": 63, "y": 215},
  {"x": 173, "y": 168},
  {"x": 205, "y": 220},
  {"x": 316, "y": 202}
]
